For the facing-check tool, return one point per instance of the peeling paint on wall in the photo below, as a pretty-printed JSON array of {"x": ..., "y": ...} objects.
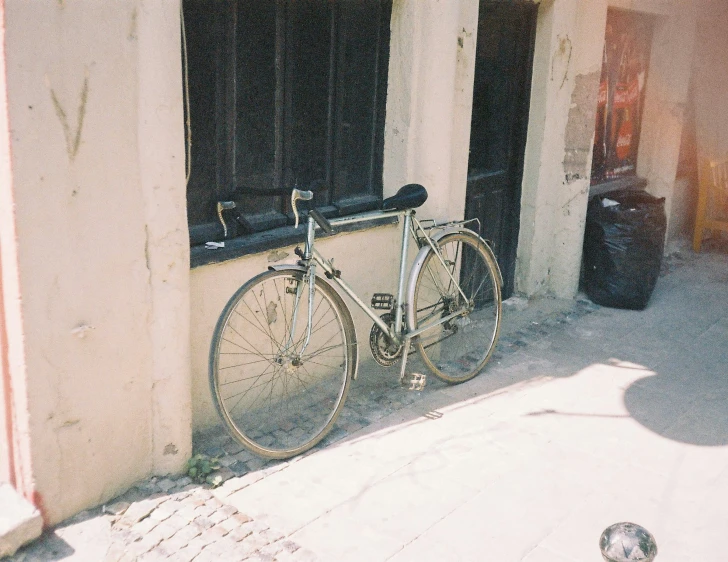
[
  {"x": 170, "y": 449},
  {"x": 73, "y": 138},
  {"x": 277, "y": 255},
  {"x": 462, "y": 36},
  {"x": 580, "y": 127}
]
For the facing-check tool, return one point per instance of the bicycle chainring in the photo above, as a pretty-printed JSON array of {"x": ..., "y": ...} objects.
[{"x": 384, "y": 351}]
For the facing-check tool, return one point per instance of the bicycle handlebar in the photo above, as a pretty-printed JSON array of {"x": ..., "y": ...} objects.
[{"x": 296, "y": 195}]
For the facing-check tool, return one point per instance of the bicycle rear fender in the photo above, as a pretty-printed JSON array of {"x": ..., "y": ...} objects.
[
  {"x": 420, "y": 259},
  {"x": 341, "y": 303}
]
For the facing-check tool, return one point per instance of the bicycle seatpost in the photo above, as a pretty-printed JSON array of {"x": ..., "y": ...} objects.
[{"x": 298, "y": 194}]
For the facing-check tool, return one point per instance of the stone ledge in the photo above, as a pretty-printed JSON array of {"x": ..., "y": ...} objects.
[{"x": 20, "y": 521}]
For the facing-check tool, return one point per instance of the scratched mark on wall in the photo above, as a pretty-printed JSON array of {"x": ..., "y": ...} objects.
[
  {"x": 73, "y": 138},
  {"x": 561, "y": 60},
  {"x": 133, "y": 25}
]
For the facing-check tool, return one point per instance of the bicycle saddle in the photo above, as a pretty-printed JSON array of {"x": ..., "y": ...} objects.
[{"x": 409, "y": 196}]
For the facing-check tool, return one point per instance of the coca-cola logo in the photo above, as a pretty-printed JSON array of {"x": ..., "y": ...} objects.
[
  {"x": 626, "y": 94},
  {"x": 602, "y": 98},
  {"x": 624, "y": 140}
]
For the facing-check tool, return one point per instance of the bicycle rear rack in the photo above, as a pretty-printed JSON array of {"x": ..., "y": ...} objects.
[{"x": 430, "y": 224}]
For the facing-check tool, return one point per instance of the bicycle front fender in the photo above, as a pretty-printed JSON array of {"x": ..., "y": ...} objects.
[{"x": 285, "y": 266}]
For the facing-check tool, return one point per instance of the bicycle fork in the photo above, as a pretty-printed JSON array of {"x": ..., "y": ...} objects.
[{"x": 310, "y": 279}]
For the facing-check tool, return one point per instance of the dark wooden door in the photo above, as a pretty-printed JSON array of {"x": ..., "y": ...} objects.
[{"x": 501, "y": 92}]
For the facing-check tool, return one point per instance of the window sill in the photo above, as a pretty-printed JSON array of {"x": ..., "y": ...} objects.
[
  {"x": 271, "y": 240},
  {"x": 631, "y": 182}
]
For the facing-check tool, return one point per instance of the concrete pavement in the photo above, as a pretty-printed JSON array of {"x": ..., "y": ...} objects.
[{"x": 585, "y": 417}]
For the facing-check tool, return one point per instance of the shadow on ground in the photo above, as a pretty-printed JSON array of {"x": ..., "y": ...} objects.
[{"x": 686, "y": 401}]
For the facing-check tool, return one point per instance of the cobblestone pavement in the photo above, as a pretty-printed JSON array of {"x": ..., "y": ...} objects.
[{"x": 172, "y": 518}]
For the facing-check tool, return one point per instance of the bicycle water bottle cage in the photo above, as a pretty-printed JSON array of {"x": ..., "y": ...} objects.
[{"x": 409, "y": 196}]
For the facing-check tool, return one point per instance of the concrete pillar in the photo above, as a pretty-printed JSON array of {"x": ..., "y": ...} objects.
[
  {"x": 567, "y": 64},
  {"x": 6, "y": 437},
  {"x": 94, "y": 258},
  {"x": 666, "y": 95},
  {"x": 15, "y": 463},
  {"x": 429, "y": 101},
  {"x": 162, "y": 177}
]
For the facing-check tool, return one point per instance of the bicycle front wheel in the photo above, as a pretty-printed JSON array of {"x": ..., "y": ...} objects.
[
  {"x": 462, "y": 283},
  {"x": 278, "y": 389}
]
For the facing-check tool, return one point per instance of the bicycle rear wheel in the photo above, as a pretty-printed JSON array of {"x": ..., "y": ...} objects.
[
  {"x": 277, "y": 395},
  {"x": 456, "y": 350}
]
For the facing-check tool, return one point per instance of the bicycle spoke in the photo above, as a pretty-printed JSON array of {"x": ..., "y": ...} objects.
[
  {"x": 457, "y": 349},
  {"x": 275, "y": 400}
]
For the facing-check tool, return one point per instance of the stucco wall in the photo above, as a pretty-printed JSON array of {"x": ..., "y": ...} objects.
[
  {"x": 98, "y": 191},
  {"x": 711, "y": 80},
  {"x": 429, "y": 100},
  {"x": 5, "y": 217}
]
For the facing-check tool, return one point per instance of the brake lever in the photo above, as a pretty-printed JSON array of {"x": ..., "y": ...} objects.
[{"x": 297, "y": 194}]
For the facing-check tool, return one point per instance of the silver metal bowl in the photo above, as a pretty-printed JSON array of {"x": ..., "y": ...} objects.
[{"x": 627, "y": 542}]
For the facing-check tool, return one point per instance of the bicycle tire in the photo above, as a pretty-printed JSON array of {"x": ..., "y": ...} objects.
[
  {"x": 472, "y": 337},
  {"x": 273, "y": 400}
]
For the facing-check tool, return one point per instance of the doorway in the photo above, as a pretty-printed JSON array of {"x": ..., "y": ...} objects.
[{"x": 501, "y": 95}]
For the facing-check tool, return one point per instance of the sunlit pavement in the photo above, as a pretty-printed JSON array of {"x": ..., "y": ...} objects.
[
  {"x": 617, "y": 416},
  {"x": 586, "y": 416}
]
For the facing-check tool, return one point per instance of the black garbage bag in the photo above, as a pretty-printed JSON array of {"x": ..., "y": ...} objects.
[{"x": 623, "y": 245}]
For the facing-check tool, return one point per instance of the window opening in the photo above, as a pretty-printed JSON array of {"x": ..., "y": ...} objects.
[{"x": 284, "y": 92}]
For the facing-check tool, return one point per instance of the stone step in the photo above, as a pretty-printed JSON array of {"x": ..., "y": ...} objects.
[{"x": 20, "y": 521}]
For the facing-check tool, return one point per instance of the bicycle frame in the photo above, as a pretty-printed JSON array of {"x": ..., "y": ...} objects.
[
  {"x": 284, "y": 351},
  {"x": 410, "y": 226},
  {"x": 335, "y": 276}
]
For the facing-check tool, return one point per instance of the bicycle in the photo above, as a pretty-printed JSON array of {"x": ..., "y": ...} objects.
[{"x": 284, "y": 350}]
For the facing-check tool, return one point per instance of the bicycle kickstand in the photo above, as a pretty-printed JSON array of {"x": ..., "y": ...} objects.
[{"x": 411, "y": 381}]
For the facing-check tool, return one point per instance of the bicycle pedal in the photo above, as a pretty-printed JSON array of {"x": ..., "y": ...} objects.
[
  {"x": 414, "y": 381},
  {"x": 382, "y": 301}
]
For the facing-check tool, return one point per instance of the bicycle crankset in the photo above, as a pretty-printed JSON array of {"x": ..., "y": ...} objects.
[{"x": 384, "y": 350}]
